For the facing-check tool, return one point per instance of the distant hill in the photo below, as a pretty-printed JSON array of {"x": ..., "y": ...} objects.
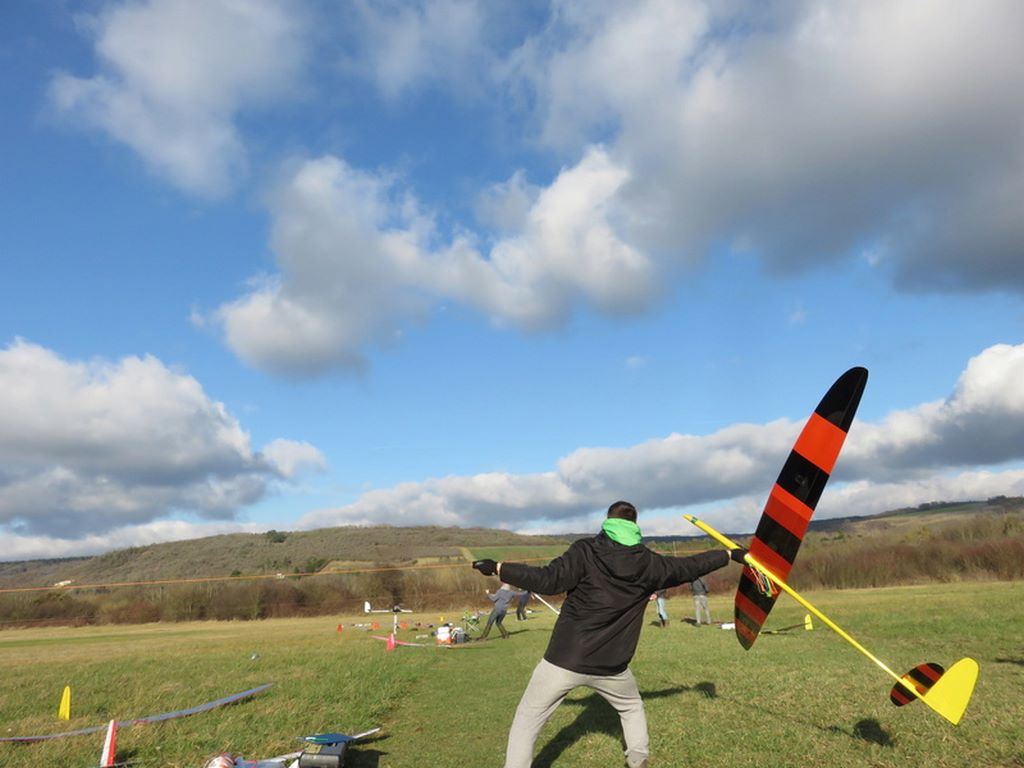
[
  {"x": 932, "y": 516},
  {"x": 271, "y": 552},
  {"x": 349, "y": 547}
]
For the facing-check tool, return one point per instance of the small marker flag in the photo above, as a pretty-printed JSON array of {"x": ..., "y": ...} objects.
[
  {"x": 64, "y": 710},
  {"x": 391, "y": 642},
  {"x": 109, "y": 755}
]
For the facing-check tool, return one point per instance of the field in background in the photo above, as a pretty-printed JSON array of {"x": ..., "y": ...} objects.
[
  {"x": 331, "y": 571},
  {"x": 797, "y": 698}
]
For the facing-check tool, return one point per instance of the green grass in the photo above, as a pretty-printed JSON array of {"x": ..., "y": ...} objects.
[{"x": 801, "y": 698}]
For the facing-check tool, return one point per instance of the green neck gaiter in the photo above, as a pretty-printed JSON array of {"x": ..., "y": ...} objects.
[{"x": 621, "y": 531}]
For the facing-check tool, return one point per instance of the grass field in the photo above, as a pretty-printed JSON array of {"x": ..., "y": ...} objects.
[{"x": 801, "y": 698}]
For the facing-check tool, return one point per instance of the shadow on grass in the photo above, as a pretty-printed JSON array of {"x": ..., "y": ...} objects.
[
  {"x": 598, "y": 716},
  {"x": 496, "y": 636},
  {"x": 869, "y": 730},
  {"x": 364, "y": 758},
  {"x": 359, "y": 755},
  {"x": 1018, "y": 662}
]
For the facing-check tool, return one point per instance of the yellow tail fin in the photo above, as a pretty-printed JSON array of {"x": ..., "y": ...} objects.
[{"x": 952, "y": 692}]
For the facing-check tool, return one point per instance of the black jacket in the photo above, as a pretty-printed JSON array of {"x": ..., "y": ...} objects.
[{"x": 608, "y": 585}]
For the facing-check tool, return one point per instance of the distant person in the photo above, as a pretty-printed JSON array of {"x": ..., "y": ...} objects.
[
  {"x": 608, "y": 580},
  {"x": 660, "y": 597},
  {"x": 522, "y": 599},
  {"x": 699, "y": 588},
  {"x": 501, "y": 600}
]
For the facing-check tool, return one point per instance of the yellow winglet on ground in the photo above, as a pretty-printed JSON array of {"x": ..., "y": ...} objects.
[{"x": 952, "y": 692}]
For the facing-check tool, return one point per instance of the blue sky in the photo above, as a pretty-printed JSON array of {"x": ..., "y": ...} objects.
[{"x": 287, "y": 265}]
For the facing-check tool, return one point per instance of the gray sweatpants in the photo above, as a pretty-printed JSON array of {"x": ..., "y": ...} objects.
[
  {"x": 700, "y": 605},
  {"x": 550, "y": 684}
]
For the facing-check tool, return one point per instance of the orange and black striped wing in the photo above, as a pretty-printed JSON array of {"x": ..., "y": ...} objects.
[
  {"x": 791, "y": 503},
  {"x": 922, "y": 677}
]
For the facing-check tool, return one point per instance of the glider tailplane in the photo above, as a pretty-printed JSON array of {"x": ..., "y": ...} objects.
[{"x": 947, "y": 692}]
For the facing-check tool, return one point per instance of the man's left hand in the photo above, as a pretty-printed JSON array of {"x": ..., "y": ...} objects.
[
  {"x": 486, "y": 567},
  {"x": 738, "y": 554}
]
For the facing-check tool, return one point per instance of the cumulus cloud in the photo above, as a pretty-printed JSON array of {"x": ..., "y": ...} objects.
[
  {"x": 943, "y": 450},
  {"x": 805, "y": 133},
  {"x": 44, "y": 546},
  {"x": 359, "y": 256},
  {"x": 403, "y": 45},
  {"x": 808, "y": 129},
  {"x": 289, "y": 457},
  {"x": 88, "y": 447},
  {"x": 980, "y": 423},
  {"x": 174, "y": 77}
]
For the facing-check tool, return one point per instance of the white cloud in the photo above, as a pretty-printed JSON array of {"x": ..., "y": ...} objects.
[
  {"x": 808, "y": 132},
  {"x": 289, "y": 457},
  {"x": 358, "y": 258},
  {"x": 174, "y": 77},
  {"x": 34, "y": 547},
  {"x": 909, "y": 457},
  {"x": 807, "y": 129},
  {"x": 97, "y": 455},
  {"x": 505, "y": 207},
  {"x": 404, "y": 45},
  {"x": 87, "y": 447},
  {"x": 980, "y": 423}
]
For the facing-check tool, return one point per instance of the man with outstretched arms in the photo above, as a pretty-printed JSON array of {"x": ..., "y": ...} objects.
[{"x": 608, "y": 580}]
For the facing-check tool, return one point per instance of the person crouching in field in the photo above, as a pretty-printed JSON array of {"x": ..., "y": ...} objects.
[{"x": 608, "y": 580}]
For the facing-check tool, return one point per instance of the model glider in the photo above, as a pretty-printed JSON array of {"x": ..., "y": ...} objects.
[
  {"x": 225, "y": 760},
  {"x": 780, "y": 532},
  {"x": 393, "y": 609},
  {"x": 806, "y": 624},
  {"x": 392, "y": 642},
  {"x": 336, "y": 738},
  {"x": 144, "y": 720},
  {"x": 324, "y": 749},
  {"x": 946, "y": 692}
]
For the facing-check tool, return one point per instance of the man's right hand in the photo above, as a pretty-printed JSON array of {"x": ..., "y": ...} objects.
[
  {"x": 486, "y": 567},
  {"x": 737, "y": 555}
]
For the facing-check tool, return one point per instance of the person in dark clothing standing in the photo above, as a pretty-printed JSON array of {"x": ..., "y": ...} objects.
[
  {"x": 608, "y": 580},
  {"x": 700, "y": 600},
  {"x": 522, "y": 598}
]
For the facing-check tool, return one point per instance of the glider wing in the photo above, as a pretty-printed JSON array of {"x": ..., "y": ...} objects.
[
  {"x": 793, "y": 499},
  {"x": 144, "y": 720}
]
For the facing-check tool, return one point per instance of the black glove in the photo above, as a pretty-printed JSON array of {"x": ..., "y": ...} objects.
[
  {"x": 486, "y": 567},
  {"x": 737, "y": 555}
]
